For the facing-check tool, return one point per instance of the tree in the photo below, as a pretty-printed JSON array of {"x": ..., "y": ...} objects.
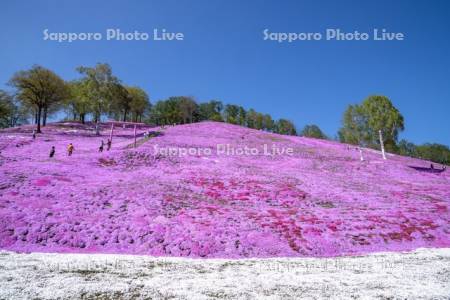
[
  {"x": 355, "y": 129},
  {"x": 11, "y": 112},
  {"x": 139, "y": 104},
  {"x": 434, "y": 152},
  {"x": 242, "y": 115},
  {"x": 259, "y": 121},
  {"x": 52, "y": 109},
  {"x": 361, "y": 123},
  {"x": 268, "y": 123},
  {"x": 167, "y": 112},
  {"x": 252, "y": 116},
  {"x": 39, "y": 88},
  {"x": 313, "y": 131},
  {"x": 284, "y": 126},
  {"x": 78, "y": 103},
  {"x": 211, "y": 111},
  {"x": 101, "y": 85},
  {"x": 407, "y": 148},
  {"x": 187, "y": 107},
  {"x": 121, "y": 101},
  {"x": 158, "y": 113},
  {"x": 5, "y": 109},
  {"x": 231, "y": 113}
]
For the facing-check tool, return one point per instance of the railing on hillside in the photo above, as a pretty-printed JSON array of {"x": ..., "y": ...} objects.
[{"x": 124, "y": 124}]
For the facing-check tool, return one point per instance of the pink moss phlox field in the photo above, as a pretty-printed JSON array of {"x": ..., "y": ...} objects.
[{"x": 320, "y": 201}]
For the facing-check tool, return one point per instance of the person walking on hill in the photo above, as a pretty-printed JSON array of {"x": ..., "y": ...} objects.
[
  {"x": 100, "y": 149},
  {"x": 34, "y": 134},
  {"x": 108, "y": 145},
  {"x": 70, "y": 149},
  {"x": 52, "y": 152}
]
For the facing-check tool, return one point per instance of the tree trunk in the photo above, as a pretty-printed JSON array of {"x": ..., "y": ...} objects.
[
  {"x": 36, "y": 117},
  {"x": 38, "y": 130},
  {"x": 82, "y": 118},
  {"x": 382, "y": 144},
  {"x": 44, "y": 118}
]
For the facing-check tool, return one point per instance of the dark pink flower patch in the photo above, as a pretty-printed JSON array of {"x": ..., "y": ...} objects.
[
  {"x": 42, "y": 182},
  {"x": 62, "y": 178}
]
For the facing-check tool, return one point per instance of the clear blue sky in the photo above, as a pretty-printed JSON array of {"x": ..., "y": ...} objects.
[{"x": 224, "y": 56}]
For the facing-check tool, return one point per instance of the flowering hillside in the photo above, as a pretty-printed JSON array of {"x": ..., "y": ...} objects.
[{"x": 290, "y": 196}]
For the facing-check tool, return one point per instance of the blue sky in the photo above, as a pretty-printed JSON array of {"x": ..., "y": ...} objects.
[{"x": 223, "y": 55}]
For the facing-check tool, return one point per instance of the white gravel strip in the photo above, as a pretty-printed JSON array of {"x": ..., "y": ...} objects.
[{"x": 422, "y": 274}]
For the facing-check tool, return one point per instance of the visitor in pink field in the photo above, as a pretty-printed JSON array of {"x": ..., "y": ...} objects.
[
  {"x": 70, "y": 149},
  {"x": 52, "y": 152}
]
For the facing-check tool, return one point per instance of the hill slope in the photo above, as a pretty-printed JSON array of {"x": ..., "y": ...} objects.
[{"x": 319, "y": 201}]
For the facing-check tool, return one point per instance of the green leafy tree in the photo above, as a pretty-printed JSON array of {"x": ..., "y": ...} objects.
[
  {"x": 78, "y": 103},
  {"x": 231, "y": 113},
  {"x": 101, "y": 86},
  {"x": 211, "y": 111},
  {"x": 39, "y": 88},
  {"x": 12, "y": 112},
  {"x": 242, "y": 116},
  {"x": 188, "y": 109},
  {"x": 120, "y": 105},
  {"x": 5, "y": 109},
  {"x": 268, "y": 122},
  {"x": 407, "y": 148},
  {"x": 361, "y": 123},
  {"x": 158, "y": 112},
  {"x": 313, "y": 131},
  {"x": 284, "y": 126},
  {"x": 167, "y": 112},
  {"x": 355, "y": 130},
  {"x": 429, "y": 151},
  {"x": 434, "y": 152},
  {"x": 259, "y": 121},
  {"x": 217, "y": 118},
  {"x": 252, "y": 116},
  {"x": 139, "y": 104}
]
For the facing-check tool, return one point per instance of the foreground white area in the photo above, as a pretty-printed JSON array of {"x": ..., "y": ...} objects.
[{"x": 422, "y": 274}]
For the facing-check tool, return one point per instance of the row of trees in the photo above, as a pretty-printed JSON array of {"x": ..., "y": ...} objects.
[
  {"x": 39, "y": 92},
  {"x": 435, "y": 152},
  {"x": 100, "y": 93},
  {"x": 181, "y": 110}
]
